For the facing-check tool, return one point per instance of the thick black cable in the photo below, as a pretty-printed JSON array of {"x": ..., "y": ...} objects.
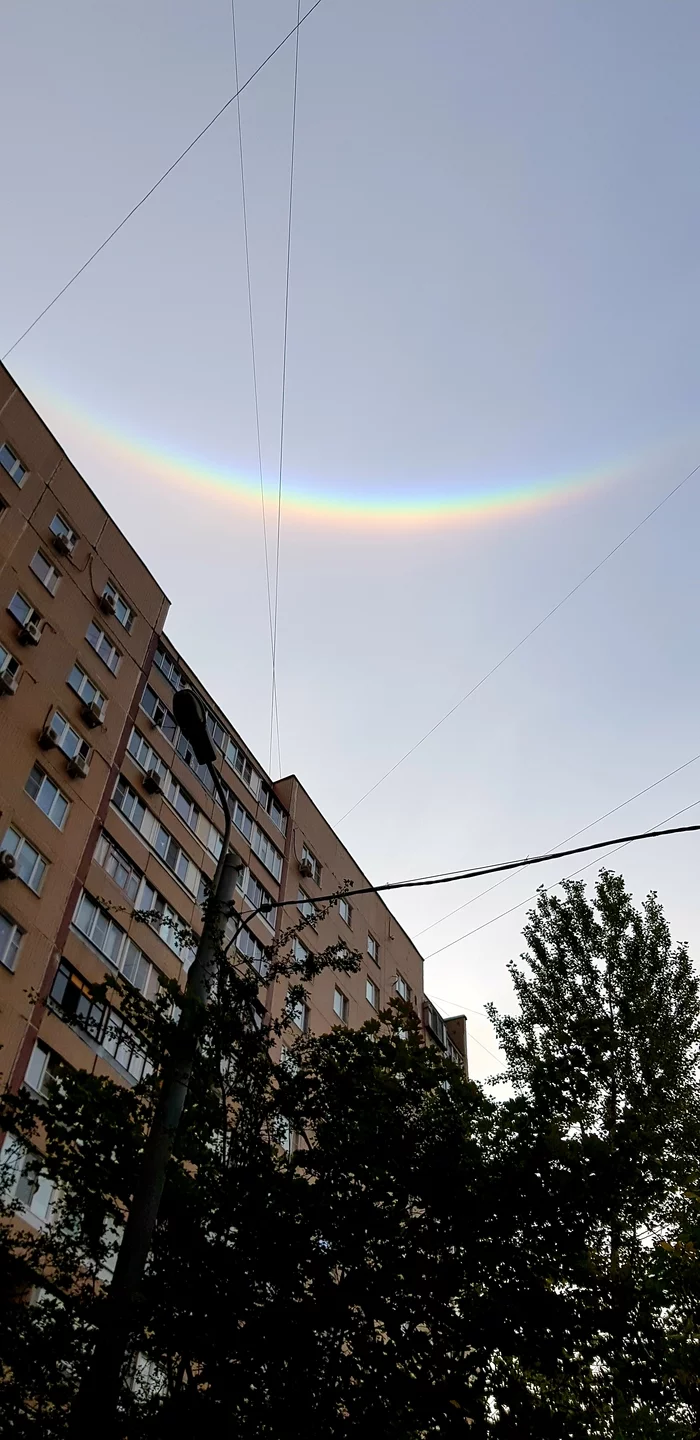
[
  {"x": 164, "y": 176},
  {"x": 449, "y": 879},
  {"x": 523, "y": 640},
  {"x": 273, "y": 706},
  {"x": 617, "y": 845},
  {"x": 623, "y": 804}
]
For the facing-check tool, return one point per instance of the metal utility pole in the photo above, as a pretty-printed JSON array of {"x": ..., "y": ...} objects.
[{"x": 95, "y": 1407}]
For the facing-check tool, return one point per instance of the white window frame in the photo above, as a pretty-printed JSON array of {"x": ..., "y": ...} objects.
[
  {"x": 64, "y": 729},
  {"x": 46, "y": 780},
  {"x": 401, "y": 985},
  {"x": 316, "y": 868},
  {"x": 373, "y": 947},
  {"x": 39, "y": 860},
  {"x": 343, "y": 1012},
  {"x": 127, "y": 619},
  {"x": 345, "y": 911},
  {"x": 32, "y": 616},
  {"x": 10, "y": 947},
  {"x": 60, "y": 526},
  {"x": 84, "y": 686},
  {"x": 372, "y": 993},
  {"x": 51, "y": 579},
  {"x": 111, "y": 660},
  {"x": 16, "y": 470}
]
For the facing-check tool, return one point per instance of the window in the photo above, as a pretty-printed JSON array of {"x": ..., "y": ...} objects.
[
  {"x": 121, "y": 1042},
  {"x": 345, "y": 909},
  {"x": 130, "y": 804},
  {"x": 84, "y": 688},
  {"x": 306, "y": 907},
  {"x": 341, "y": 1005},
  {"x": 10, "y": 941},
  {"x": 47, "y": 796},
  {"x": 12, "y": 465},
  {"x": 22, "y": 611},
  {"x": 273, "y": 808},
  {"x": 145, "y": 755},
  {"x": 8, "y": 665},
  {"x": 71, "y": 994},
  {"x": 117, "y": 865},
  {"x": 45, "y": 571},
  {"x": 43, "y": 1067},
  {"x": 59, "y": 526},
  {"x": 157, "y": 712},
  {"x": 113, "y": 942},
  {"x": 311, "y": 864},
  {"x": 299, "y": 951},
  {"x": 238, "y": 760},
  {"x": 372, "y": 993},
  {"x": 254, "y": 893},
  {"x": 104, "y": 647},
  {"x": 68, "y": 739},
  {"x": 249, "y": 948},
  {"x": 30, "y": 866},
  {"x": 402, "y": 987},
  {"x": 266, "y": 852},
  {"x": 373, "y": 949},
  {"x": 299, "y": 1015},
  {"x": 31, "y": 1189},
  {"x": 168, "y": 667},
  {"x": 122, "y": 612}
]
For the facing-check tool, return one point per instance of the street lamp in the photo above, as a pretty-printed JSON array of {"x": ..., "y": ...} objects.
[{"x": 99, "y": 1391}]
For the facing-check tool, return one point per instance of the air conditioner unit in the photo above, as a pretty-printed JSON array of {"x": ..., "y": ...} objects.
[
  {"x": 7, "y": 865},
  {"x": 9, "y": 678},
  {"x": 30, "y": 634},
  {"x": 49, "y": 737},
  {"x": 108, "y": 603},
  {"x": 78, "y": 767},
  {"x": 306, "y": 869},
  {"x": 153, "y": 782},
  {"x": 64, "y": 544},
  {"x": 92, "y": 713}
]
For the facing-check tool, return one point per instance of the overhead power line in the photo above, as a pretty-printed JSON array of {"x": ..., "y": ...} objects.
[
  {"x": 522, "y": 641},
  {"x": 617, "y": 845},
  {"x": 294, "y": 31},
  {"x": 285, "y": 333},
  {"x": 623, "y": 804},
  {"x": 454, "y": 875}
]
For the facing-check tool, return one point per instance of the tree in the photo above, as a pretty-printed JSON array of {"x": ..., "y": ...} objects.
[
  {"x": 603, "y": 1058},
  {"x": 308, "y": 1270}
]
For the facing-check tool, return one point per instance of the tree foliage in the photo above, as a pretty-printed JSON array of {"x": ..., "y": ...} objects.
[{"x": 355, "y": 1237}]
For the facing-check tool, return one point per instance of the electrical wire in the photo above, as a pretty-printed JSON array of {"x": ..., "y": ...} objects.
[
  {"x": 451, "y": 877},
  {"x": 273, "y": 706},
  {"x": 522, "y": 641},
  {"x": 159, "y": 181},
  {"x": 620, "y": 844},
  {"x": 623, "y": 803},
  {"x": 252, "y": 345}
]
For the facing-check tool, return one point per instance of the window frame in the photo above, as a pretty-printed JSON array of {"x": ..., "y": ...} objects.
[
  {"x": 115, "y": 654},
  {"x": 79, "y": 689},
  {"x": 63, "y": 529},
  {"x": 13, "y": 941},
  {"x": 373, "y": 954},
  {"x": 45, "y": 779},
  {"x": 398, "y": 983},
  {"x": 346, "y": 919},
  {"x": 52, "y": 578},
  {"x": 343, "y": 1013},
  {"x": 39, "y": 858},
  {"x": 16, "y": 463},
  {"x": 83, "y": 748},
  {"x": 373, "y": 999},
  {"x": 116, "y": 595}
]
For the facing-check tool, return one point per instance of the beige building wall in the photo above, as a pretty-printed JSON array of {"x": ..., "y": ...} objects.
[{"x": 142, "y": 826}]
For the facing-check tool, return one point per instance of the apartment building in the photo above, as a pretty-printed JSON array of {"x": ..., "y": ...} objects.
[{"x": 102, "y": 799}]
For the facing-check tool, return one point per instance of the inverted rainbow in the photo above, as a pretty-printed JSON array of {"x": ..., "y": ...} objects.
[{"x": 434, "y": 504}]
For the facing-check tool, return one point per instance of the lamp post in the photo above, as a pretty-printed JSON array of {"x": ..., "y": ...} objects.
[{"x": 97, "y": 1399}]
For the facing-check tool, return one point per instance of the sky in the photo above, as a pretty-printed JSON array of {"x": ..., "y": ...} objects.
[{"x": 491, "y": 378}]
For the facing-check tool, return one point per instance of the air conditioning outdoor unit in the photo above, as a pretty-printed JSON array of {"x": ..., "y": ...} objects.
[
  {"x": 64, "y": 544},
  {"x": 153, "y": 782},
  {"x": 78, "y": 767},
  {"x": 306, "y": 869},
  {"x": 8, "y": 679},
  {"x": 7, "y": 865},
  {"x": 108, "y": 603},
  {"x": 30, "y": 634},
  {"x": 92, "y": 714},
  {"x": 48, "y": 738}
]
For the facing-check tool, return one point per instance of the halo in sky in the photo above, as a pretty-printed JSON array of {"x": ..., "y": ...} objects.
[{"x": 435, "y": 503}]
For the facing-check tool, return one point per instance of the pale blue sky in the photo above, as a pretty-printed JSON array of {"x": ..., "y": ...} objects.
[{"x": 494, "y": 276}]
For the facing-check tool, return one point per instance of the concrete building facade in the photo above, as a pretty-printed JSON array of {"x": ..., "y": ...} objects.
[{"x": 102, "y": 799}]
